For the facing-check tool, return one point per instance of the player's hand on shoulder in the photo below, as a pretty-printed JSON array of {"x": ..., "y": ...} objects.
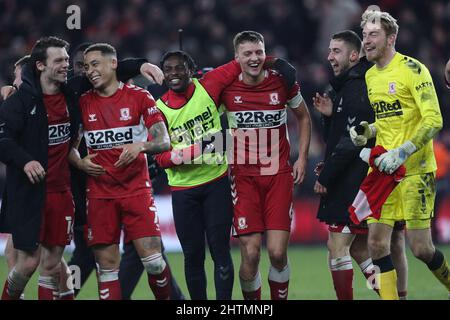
[
  {"x": 152, "y": 73},
  {"x": 6, "y": 91},
  {"x": 299, "y": 169},
  {"x": 34, "y": 171},
  {"x": 129, "y": 153},
  {"x": 90, "y": 167},
  {"x": 319, "y": 188},
  {"x": 323, "y": 104}
]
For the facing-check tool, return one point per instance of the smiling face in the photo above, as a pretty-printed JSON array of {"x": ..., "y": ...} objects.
[
  {"x": 100, "y": 69},
  {"x": 78, "y": 63},
  {"x": 176, "y": 73},
  {"x": 376, "y": 42},
  {"x": 341, "y": 56},
  {"x": 251, "y": 57},
  {"x": 55, "y": 67}
]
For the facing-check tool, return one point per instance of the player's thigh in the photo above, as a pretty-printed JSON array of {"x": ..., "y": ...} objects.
[
  {"x": 420, "y": 240},
  {"x": 277, "y": 242},
  {"x": 278, "y": 204},
  {"x": 217, "y": 204},
  {"x": 187, "y": 209},
  {"x": 103, "y": 222},
  {"x": 139, "y": 217},
  {"x": 419, "y": 194},
  {"x": 379, "y": 236},
  {"x": 58, "y": 219},
  {"x": 247, "y": 205}
]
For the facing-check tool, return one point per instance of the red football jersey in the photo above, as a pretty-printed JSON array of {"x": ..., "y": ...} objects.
[
  {"x": 58, "y": 175},
  {"x": 257, "y": 116},
  {"x": 112, "y": 121}
]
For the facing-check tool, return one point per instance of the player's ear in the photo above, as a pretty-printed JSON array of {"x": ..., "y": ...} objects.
[
  {"x": 354, "y": 56},
  {"x": 391, "y": 39},
  {"x": 40, "y": 65},
  {"x": 114, "y": 63}
]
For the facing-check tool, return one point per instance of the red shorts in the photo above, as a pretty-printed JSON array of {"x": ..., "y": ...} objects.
[
  {"x": 57, "y": 219},
  {"x": 262, "y": 203},
  {"x": 105, "y": 218},
  {"x": 359, "y": 229},
  {"x": 349, "y": 228}
]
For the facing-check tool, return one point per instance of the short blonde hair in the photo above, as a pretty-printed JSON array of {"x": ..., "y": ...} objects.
[{"x": 388, "y": 23}]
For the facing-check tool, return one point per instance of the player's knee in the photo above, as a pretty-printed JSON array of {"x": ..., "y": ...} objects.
[
  {"x": 278, "y": 257},
  {"x": 378, "y": 247},
  {"x": 28, "y": 266},
  {"x": 397, "y": 248},
  {"x": 359, "y": 254},
  {"x": 422, "y": 252},
  {"x": 154, "y": 264},
  {"x": 252, "y": 255}
]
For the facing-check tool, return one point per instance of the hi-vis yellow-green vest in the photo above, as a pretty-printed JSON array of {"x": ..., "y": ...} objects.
[{"x": 187, "y": 125}]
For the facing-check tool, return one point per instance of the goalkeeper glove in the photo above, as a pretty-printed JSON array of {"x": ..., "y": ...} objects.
[
  {"x": 362, "y": 132},
  {"x": 390, "y": 161}
]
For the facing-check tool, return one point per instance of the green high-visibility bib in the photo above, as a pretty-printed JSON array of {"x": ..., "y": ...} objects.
[{"x": 198, "y": 118}]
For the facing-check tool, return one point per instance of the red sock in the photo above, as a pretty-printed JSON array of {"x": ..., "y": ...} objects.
[
  {"x": 5, "y": 295},
  {"x": 343, "y": 283},
  {"x": 402, "y": 295},
  {"x": 252, "y": 295},
  {"x": 278, "y": 290},
  {"x": 48, "y": 288},
  {"x": 47, "y": 293},
  {"x": 160, "y": 284},
  {"x": 110, "y": 290}
]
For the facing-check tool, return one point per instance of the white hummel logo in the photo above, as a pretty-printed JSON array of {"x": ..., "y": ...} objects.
[
  {"x": 237, "y": 99},
  {"x": 92, "y": 117},
  {"x": 33, "y": 111},
  {"x": 282, "y": 294},
  {"x": 104, "y": 294},
  {"x": 162, "y": 282},
  {"x": 2, "y": 130}
]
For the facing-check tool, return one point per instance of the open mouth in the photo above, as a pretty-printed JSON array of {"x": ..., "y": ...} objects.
[
  {"x": 175, "y": 81},
  {"x": 94, "y": 78}
]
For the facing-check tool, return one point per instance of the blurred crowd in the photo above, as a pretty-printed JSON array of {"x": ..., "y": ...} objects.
[{"x": 296, "y": 30}]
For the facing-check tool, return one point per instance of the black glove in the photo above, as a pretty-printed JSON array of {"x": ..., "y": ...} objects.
[
  {"x": 286, "y": 70},
  {"x": 153, "y": 168}
]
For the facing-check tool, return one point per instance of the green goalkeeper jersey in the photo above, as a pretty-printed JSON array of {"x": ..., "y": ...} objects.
[{"x": 406, "y": 107}]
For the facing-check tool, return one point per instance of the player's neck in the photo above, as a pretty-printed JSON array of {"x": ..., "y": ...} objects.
[
  {"x": 109, "y": 89},
  {"x": 50, "y": 87},
  {"x": 386, "y": 59},
  {"x": 251, "y": 80}
]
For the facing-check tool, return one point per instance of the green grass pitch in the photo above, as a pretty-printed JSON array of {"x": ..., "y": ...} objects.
[{"x": 310, "y": 278}]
